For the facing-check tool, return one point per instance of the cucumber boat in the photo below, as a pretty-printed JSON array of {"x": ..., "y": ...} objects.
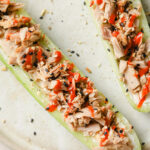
[
  {"x": 125, "y": 32},
  {"x": 58, "y": 86}
]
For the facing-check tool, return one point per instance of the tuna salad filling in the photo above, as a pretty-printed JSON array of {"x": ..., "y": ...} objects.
[
  {"x": 73, "y": 95},
  {"x": 120, "y": 25}
]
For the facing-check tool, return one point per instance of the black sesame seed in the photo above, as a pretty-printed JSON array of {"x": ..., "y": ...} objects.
[
  {"x": 116, "y": 112},
  {"x": 31, "y": 79},
  {"x": 35, "y": 133},
  {"x": 121, "y": 131},
  {"x": 41, "y": 17},
  {"x": 84, "y": 3},
  {"x": 46, "y": 69},
  {"x": 35, "y": 64},
  {"x": 108, "y": 128},
  {"x": 86, "y": 98},
  {"x": 32, "y": 120},
  {"x": 23, "y": 61},
  {"x": 122, "y": 24},
  {"x": 47, "y": 108},
  {"x": 61, "y": 68},
  {"x": 108, "y": 50},
  {"x": 77, "y": 54},
  {"x": 116, "y": 129},
  {"x": 24, "y": 56},
  {"x": 35, "y": 42},
  {"x": 106, "y": 99},
  {"x": 132, "y": 127},
  {"x": 142, "y": 30},
  {"x": 144, "y": 55},
  {"x": 70, "y": 114},
  {"x": 116, "y": 19},
  {"x": 113, "y": 28},
  {"x": 142, "y": 143},
  {"x": 30, "y": 53},
  {"x": 48, "y": 50},
  {"x": 124, "y": 47},
  {"x": 72, "y": 52},
  {"x": 127, "y": 90},
  {"x": 136, "y": 47},
  {"x": 65, "y": 84}
]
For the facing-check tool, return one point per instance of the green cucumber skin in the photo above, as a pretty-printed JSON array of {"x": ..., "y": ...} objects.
[
  {"x": 42, "y": 99},
  {"x": 114, "y": 63}
]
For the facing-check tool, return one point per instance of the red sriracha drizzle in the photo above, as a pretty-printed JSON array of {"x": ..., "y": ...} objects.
[
  {"x": 92, "y": 3},
  {"x": 123, "y": 19},
  {"x": 57, "y": 87},
  {"x": 89, "y": 88},
  {"x": 58, "y": 56},
  {"x": 143, "y": 71},
  {"x": 72, "y": 88},
  {"x": 112, "y": 18},
  {"x": 52, "y": 108},
  {"x": 106, "y": 134},
  {"x": 145, "y": 91},
  {"x": 28, "y": 59},
  {"x": 148, "y": 63},
  {"x": 128, "y": 47},
  {"x": 39, "y": 54},
  {"x": 138, "y": 38},
  {"x": 5, "y": 2},
  {"x": 131, "y": 21},
  {"x": 91, "y": 110},
  {"x": 115, "y": 33},
  {"x": 99, "y": 2},
  {"x": 25, "y": 19}
]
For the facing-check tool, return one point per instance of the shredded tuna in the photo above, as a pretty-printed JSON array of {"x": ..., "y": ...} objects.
[
  {"x": 120, "y": 25},
  {"x": 68, "y": 91},
  {"x": 118, "y": 49}
]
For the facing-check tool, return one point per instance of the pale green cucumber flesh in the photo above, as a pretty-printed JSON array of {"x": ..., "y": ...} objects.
[
  {"x": 42, "y": 99},
  {"x": 143, "y": 24}
]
